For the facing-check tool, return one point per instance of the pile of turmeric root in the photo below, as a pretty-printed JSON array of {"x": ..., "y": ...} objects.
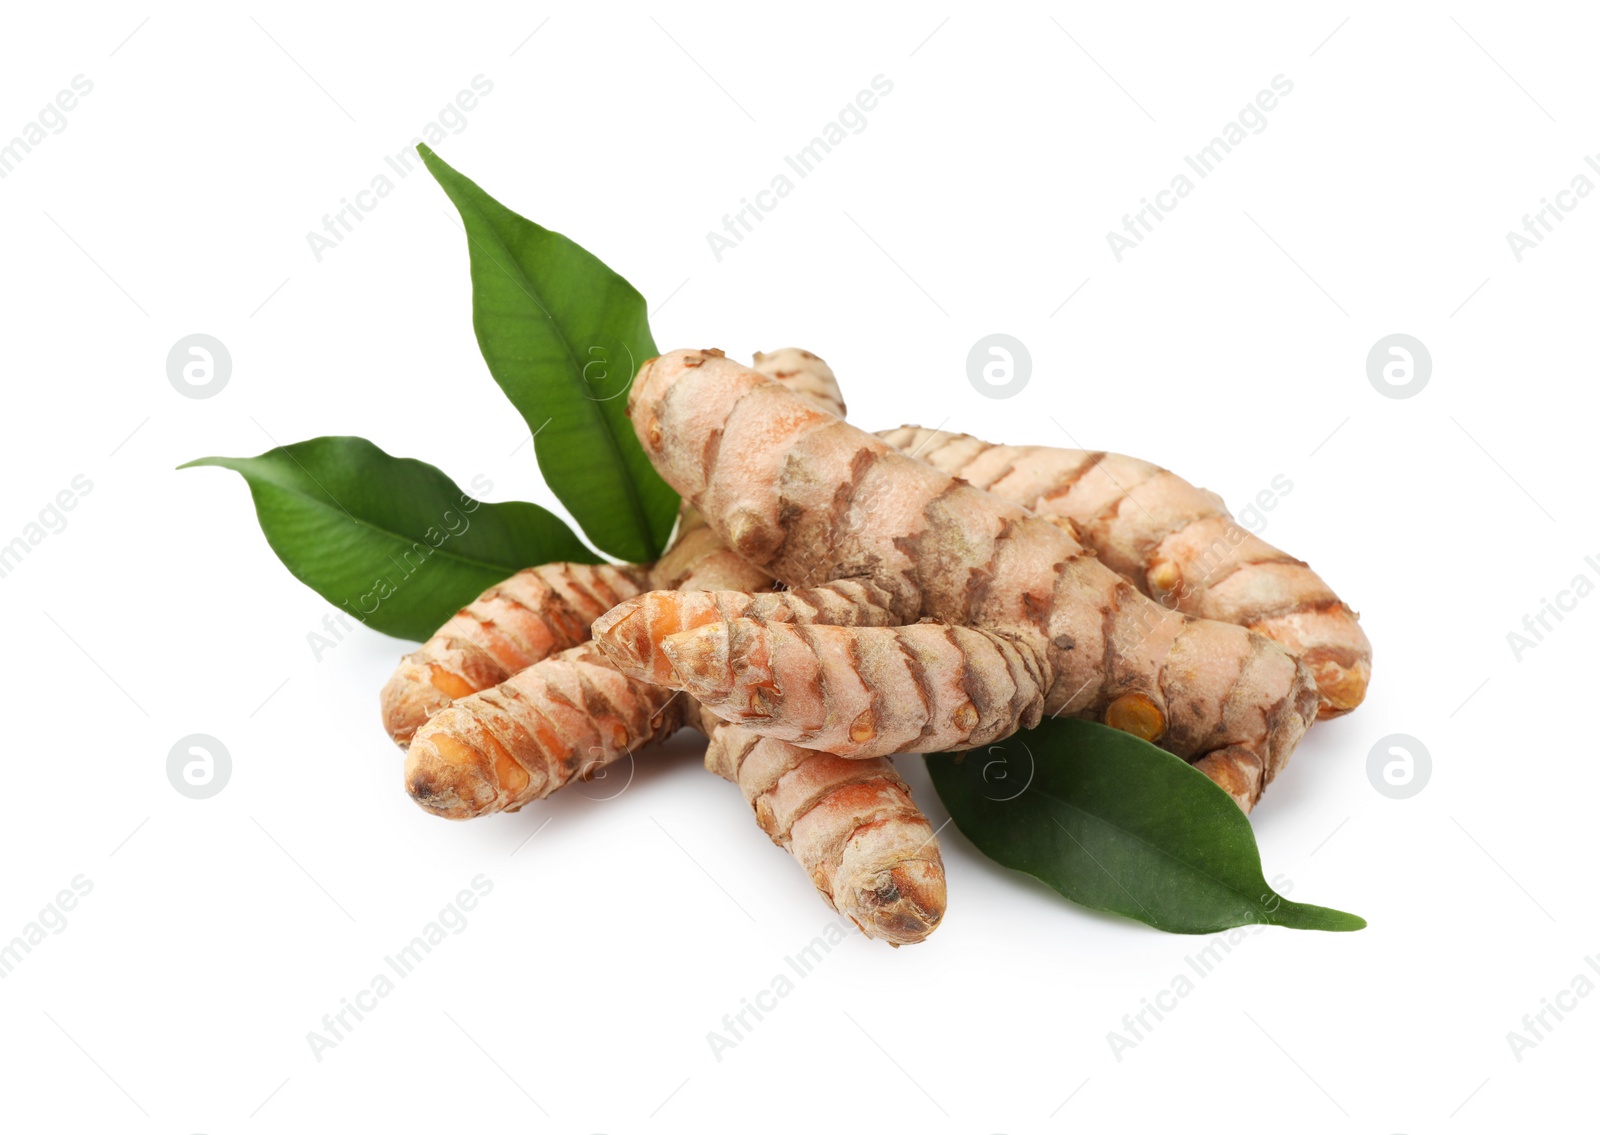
[{"x": 833, "y": 597}]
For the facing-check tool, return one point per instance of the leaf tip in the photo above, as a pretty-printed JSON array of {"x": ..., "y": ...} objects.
[
  {"x": 1305, "y": 916},
  {"x": 431, "y": 161}
]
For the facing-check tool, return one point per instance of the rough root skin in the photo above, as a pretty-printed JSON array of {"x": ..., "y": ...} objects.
[
  {"x": 560, "y": 718},
  {"x": 851, "y": 823},
  {"x": 811, "y": 499},
  {"x": 633, "y": 631},
  {"x": 858, "y": 693},
  {"x": 514, "y": 624},
  {"x": 805, "y": 374},
  {"x": 1176, "y": 543}
]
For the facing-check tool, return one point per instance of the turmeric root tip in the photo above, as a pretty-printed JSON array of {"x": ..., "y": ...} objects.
[
  {"x": 521, "y": 740},
  {"x": 852, "y": 824}
]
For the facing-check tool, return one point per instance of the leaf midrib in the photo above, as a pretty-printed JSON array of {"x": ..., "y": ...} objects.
[
  {"x": 635, "y": 502},
  {"x": 1142, "y": 841},
  {"x": 322, "y": 503},
  {"x": 1270, "y": 917}
]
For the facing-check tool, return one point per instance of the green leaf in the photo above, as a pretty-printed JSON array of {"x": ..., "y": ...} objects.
[
  {"x": 1117, "y": 824},
  {"x": 391, "y": 541},
  {"x": 564, "y": 337}
]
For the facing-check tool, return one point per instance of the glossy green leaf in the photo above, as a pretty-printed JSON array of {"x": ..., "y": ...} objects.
[
  {"x": 564, "y": 336},
  {"x": 1119, "y": 825},
  {"x": 391, "y": 541}
]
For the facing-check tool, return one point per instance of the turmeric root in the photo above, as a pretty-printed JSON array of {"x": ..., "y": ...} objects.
[
  {"x": 805, "y": 374},
  {"x": 500, "y": 748},
  {"x": 811, "y": 499},
  {"x": 514, "y": 624},
  {"x": 851, "y": 824},
  {"x": 1176, "y": 543},
  {"x": 665, "y": 614},
  {"x": 854, "y": 692}
]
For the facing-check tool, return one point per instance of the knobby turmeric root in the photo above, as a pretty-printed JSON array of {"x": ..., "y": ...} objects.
[
  {"x": 530, "y": 616},
  {"x": 1176, "y": 543},
  {"x": 852, "y": 824},
  {"x": 852, "y": 691},
  {"x": 805, "y": 374},
  {"x": 500, "y": 748},
  {"x": 1025, "y": 620}
]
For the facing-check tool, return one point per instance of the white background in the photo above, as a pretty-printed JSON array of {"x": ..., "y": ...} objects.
[{"x": 1230, "y": 346}]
